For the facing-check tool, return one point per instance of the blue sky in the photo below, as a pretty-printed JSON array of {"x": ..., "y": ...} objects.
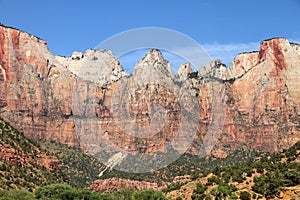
[{"x": 223, "y": 28}]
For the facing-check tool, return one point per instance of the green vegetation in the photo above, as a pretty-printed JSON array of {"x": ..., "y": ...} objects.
[
  {"x": 244, "y": 195},
  {"x": 16, "y": 172},
  {"x": 268, "y": 173},
  {"x": 65, "y": 192},
  {"x": 80, "y": 169},
  {"x": 221, "y": 191},
  {"x": 261, "y": 174},
  {"x": 198, "y": 193},
  {"x": 186, "y": 164},
  {"x": 15, "y": 194},
  {"x": 148, "y": 195},
  {"x": 176, "y": 186},
  {"x": 277, "y": 176}
]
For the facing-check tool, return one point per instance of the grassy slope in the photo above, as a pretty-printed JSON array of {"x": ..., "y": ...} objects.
[
  {"x": 79, "y": 168},
  {"x": 267, "y": 176}
]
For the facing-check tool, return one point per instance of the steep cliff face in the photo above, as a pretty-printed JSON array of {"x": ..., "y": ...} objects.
[
  {"x": 261, "y": 98},
  {"x": 139, "y": 114},
  {"x": 35, "y": 88},
  {"x": 263, "y": 102},
  {"x": 256, "y": 98}
]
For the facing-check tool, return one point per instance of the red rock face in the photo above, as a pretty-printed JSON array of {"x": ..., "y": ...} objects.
[
  {"x": 139, "y": 110},
  {"x": 276, "y": 50},
  {"x": 262, "y": 103},
  {"x": 33, "y": 98},
  {"x": 119, "y": 184},
  {"x": 261, "y": 93}
]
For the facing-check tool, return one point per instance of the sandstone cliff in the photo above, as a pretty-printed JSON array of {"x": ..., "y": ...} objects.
[
  {"x": 35, "y": 88},
  {"x": 263, "y": 98},
  {"x": 256, "y": 99}
]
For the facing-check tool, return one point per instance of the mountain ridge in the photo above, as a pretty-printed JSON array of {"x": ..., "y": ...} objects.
[{"x": 260, "y": 90}]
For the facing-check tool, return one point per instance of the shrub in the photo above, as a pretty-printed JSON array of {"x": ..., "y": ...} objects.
[
  {"x": 148, "y": 195},
  {"x": 195, "y": 176},
  {"x": 233, "y": 196},
  {"x": 16, "y": 194},
  {"x": 244, "y": 195},
  {"x": 223, "y": 190},
  {"x": 176, "y": 186},
  {"x": 269, "y": 186},
  {"x": 51, "y": 191},
  {"x": 254, "y": 196},
  {"x": 200, "y": 189}
]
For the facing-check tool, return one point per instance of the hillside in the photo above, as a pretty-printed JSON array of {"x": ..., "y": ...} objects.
[
  {"x": 274, "y": 176},
  {"x": 26, "y": 164},
  {"x": 23, "y": 165},
  {"x": 244, "y": 173},
  {"x": 79, "y": 168}
]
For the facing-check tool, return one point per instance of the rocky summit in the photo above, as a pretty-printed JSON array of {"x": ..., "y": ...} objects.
[{"x": 253, "y": 102}]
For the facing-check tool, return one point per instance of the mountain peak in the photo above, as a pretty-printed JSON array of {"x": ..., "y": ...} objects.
[
  {"x": 99, "y": 66},
  {"x": 154, "y": 55},
  {"x": 153, "y": 62},
  {"x": 184, "y": 70}
]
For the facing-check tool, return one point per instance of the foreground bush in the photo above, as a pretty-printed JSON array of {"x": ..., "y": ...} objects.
[
  {"x": 16, "y": 194},
  {"x": 66, "y": 192}
]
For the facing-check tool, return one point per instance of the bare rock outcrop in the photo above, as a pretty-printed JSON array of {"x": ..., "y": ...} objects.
[
  {"x": 99, "y": 66},
  {"x": 121, "y": 184},
  {"x": 184, "y": 71}
]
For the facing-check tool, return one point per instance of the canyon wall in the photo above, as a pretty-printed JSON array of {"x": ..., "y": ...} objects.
[{"x": 256, "y": 99}]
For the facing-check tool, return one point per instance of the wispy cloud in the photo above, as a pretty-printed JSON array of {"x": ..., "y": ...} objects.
[
  {"x": 227, "y": 52},
  {"x": 295, "y": 40},
  {"x": 130, "y": 59}
]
